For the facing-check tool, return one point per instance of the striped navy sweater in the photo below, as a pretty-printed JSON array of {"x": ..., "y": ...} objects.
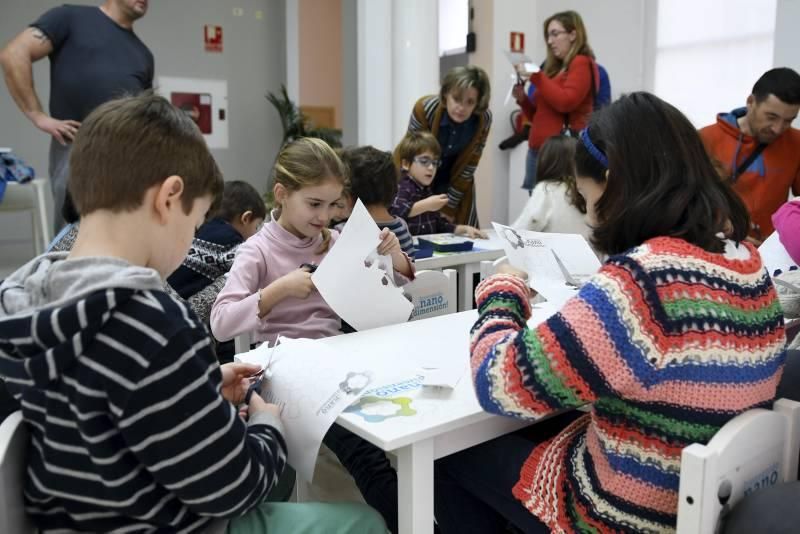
[{"x": 121, "y": 393}]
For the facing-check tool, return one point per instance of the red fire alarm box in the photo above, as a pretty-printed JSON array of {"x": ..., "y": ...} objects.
[
  {"x": 517, "y": 42},
  {"x": 213, "y": 38}
]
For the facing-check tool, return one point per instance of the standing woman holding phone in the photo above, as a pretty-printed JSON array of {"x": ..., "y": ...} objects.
[{"x": 565, "y": 87}]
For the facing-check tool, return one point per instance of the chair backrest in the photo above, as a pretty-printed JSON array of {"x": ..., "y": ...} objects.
[
  {"x": 433, "y": 293},
  {"x": 754, "y": 450},
  {"x": 31, "y": 197},
  {"x": 13, "y": 462}
]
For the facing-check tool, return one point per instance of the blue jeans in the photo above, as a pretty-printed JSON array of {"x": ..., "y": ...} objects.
[{"x": 530, "y": 170}]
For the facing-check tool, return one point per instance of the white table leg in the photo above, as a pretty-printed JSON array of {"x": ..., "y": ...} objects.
[
  {"x": 415, "y": 488},
  {"x": 466, "y": 273}
]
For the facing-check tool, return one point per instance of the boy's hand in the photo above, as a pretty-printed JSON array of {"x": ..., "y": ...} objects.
[
  {"x": 389, "y": 244},
  {"x": 297, "y": 283},
  {"x": 236, "y": 380},
  {"x": 433, "y": 203},
  {"x": 470, "y": 231}
]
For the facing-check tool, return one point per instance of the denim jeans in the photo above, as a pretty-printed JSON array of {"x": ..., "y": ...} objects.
[{"x": 530, "y": 170}]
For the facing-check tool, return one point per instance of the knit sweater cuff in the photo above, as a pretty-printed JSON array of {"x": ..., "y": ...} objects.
[{"x": 503, "y": 285}]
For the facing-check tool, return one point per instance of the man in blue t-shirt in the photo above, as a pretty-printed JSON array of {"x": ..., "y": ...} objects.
[{"x": 94, "y": 57}]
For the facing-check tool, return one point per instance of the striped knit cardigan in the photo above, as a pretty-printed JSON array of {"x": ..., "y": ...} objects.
[
  {"x": 427, "y": 115},
  {"x": 668, "y": 341}
]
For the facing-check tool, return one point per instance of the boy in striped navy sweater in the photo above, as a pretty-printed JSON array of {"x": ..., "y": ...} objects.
[{"x": 134, "y": 426}]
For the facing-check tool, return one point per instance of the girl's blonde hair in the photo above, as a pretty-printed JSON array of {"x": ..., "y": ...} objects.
[
  {"x": 571, "y": 21},
  {"x": 307, "y": 162}
]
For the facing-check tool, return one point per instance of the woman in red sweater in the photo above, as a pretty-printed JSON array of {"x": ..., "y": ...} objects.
[{"x": 565, "y": 87}]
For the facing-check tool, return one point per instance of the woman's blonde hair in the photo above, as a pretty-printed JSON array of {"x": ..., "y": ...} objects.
[
  {"x": 307, "y": 162},
  {"x": 459, "y": 79},
  {"x": 571, "y": 22}
]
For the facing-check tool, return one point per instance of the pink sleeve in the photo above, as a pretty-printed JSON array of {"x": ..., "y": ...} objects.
[
  {"x": 787, "y": 223},
  {"x": 236, "y": 309}
]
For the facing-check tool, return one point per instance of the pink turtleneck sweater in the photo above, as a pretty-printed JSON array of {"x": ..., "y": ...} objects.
[{"x": 262, "y": 259}]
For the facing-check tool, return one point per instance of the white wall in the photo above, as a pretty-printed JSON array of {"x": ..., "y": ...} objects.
[
  {"x": 787, "y": 38},
  {"x": 253, "y": 62}
]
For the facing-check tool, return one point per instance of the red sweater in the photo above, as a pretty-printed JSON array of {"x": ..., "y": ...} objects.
[{"x": 568, "y": 92}]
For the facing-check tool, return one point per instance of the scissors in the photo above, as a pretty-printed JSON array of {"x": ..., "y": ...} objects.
[
  {"x": 255, "y": 386},
  {"x": 310, "y": 267},
  {"x": 568, "y": 277}
]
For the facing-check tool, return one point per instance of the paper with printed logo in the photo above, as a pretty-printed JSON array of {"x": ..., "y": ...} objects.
[
  {"x": 312, "y": 384},
  {"x": 557, "y": 264},
  {"x": 356, "y": 282}
]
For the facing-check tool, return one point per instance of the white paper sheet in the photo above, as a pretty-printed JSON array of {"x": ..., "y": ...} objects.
[
  {"x": 312, "y": 384},
  {"x": 365, "y": 297},
  {"x": 542, "y": 255},
  {"x": 774, "y": 255}
]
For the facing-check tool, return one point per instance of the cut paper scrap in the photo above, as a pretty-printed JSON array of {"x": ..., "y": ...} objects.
[
  {"x": 364, "y": 296},
  {"x": 774, "y": 255},
  {"x": 556, "y": 263}
]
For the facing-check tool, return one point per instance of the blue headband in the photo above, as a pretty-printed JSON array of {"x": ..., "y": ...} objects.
[{"x": 593, "y": 150}]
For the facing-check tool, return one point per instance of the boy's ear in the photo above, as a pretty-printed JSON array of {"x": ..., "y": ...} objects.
[
  {"x": 246, "y": 217},
  {"x": 405, "y": 164},
  {"x": 168, "y": 195}
]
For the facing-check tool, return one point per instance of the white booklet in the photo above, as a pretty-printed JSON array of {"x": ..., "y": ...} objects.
[
  {"x": 356, "y": 282},
  {"x": 557, "y": 264}
]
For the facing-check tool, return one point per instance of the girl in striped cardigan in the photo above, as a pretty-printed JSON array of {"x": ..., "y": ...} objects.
[
  {"x": 677, "y": 333},
  {"x": 460, "y": 119}
]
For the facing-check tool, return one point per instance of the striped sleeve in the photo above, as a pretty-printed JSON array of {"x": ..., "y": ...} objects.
[
  {"x": 191, "y": 440},
  {"x": 565, "y": 362}
]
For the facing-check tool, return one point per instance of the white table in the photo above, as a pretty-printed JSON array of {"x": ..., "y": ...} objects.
[
  {"x": 444, "y": 421},
  {"x": 467, "y": 264}
]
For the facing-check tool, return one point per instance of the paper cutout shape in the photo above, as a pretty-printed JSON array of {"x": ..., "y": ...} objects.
[{"x": 356, "y": 282}]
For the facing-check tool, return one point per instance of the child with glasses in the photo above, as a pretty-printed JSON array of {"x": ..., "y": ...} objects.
[{"x": 418, "y": 157}]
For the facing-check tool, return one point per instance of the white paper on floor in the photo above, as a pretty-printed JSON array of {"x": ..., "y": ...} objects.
[{"x": 364, "y": 296}]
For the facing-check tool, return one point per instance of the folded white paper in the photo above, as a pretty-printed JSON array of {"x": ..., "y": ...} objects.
[{"x": 363, "y": 295}]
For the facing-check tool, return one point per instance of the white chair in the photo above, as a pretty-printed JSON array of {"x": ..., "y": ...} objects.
[
  {"x": 31, "y": 197},
  {"x": 433, "y": 293},
  {"x": 488, "y": 267},
  {"x": 13, "y": 451},
  {"x": 754, "y": 450}
]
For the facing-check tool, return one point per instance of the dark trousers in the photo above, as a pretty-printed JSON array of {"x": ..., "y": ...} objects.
[
  {"x": 369, "y": 466},
  {"x": 472, "y": 488}
]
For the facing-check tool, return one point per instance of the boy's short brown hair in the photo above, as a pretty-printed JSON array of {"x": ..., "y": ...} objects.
[
  {"x": 414, "y": 144},
  {"x": 373, "y": 175},
  {"x": 128, "y": 145}
]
